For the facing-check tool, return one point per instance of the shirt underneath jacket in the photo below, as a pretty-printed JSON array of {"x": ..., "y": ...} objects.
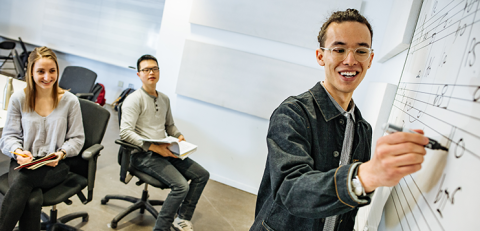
[
  {"x": 61, "y": 129},
  {"x": 146, "y": 116}
]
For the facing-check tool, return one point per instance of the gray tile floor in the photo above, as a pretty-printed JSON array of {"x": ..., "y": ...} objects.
[{"x": 220, "y": 208}]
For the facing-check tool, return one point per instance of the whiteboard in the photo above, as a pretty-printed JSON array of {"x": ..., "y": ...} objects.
[
  {"x": 117, "y": 32},
  {"x": 439, "y": 91}
]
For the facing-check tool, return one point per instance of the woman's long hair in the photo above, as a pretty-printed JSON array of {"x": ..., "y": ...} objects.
[{"x": 31, "y": 89}]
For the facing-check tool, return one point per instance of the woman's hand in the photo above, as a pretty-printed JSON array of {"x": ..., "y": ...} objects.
[
  {"x": 23, "y": 160},
  {"x": 55, "y": 161}
]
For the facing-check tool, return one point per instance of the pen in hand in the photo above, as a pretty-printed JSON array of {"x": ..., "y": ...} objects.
[
  {"x": 432, "y": 144},
  {"x": 19, "y": 154}
]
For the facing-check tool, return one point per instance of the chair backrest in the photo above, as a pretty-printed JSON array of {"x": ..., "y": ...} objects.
[
  {"x": 77, "y": 79},
  {"x": 98, "y": 94},
  {"x": 95, "y": 121},
  {"x": 24, "y": 55},
  {"x": 18, "y": 65},
  {"x": 22, "y": 45},
  {"x": 7, "y": 45}
]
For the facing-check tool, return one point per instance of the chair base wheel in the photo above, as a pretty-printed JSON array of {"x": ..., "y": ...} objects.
[
  {"x": 113, "y": 225},
  {"x": 104, "y": 201}
]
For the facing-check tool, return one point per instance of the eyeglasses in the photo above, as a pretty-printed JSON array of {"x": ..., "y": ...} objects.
[
  {"x": 361, "y": 54},
  {"x": 147, "y": 70}
]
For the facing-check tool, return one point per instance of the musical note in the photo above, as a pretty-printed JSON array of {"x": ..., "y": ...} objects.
[
  {"x": 444, "y": 196},
  {"x": 443, "y": 60},
  {"x": 471, "y": 57},
  {"x": 437, "y": 101},
  {"x": 459, "y": 148},
  {"x": 427, "y": 72},
  {"x": 476, "y": 94}
]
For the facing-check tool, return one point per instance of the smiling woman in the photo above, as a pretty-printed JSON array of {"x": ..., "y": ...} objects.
[
  {"x": 41, "y": 77},
  {"x": 41, "y": 120}
]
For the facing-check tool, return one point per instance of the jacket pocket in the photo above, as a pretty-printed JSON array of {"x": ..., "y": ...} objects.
[
  {"x": 266, "y": 227},
  {"x": 280, "y": 219}
]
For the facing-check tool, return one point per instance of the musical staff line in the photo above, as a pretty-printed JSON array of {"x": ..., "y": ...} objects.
[
  {"x": 417, "y": 100},
  {"x": 474, "y": 135},
  {"x": 426, "y": 201},
  {"x": 417, "y": 27},
  {"x": 408, "y": 204},
  {"x": 440, "y": 39},
  {"x": 452, "y": 141},
  {"x": 424, "y": 28},
  {"x": 414, "y": 45},
  {"x": 396, "y": 210},
  {"x": 449, "y": 84},
  {"x": 444, "y": 96},
  {"x": 416, "y": 202}
]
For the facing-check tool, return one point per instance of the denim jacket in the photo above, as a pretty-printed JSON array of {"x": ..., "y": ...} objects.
[{"x": 303, "y": 183}]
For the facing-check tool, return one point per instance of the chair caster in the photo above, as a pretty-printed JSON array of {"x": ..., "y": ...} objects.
[
  {"x": 104, "y": 201},
  {"x": 113, "y": 225},
  {"x": 85, "y": 219}
]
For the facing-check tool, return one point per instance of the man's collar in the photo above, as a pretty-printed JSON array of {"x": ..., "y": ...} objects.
[
  {"x": 326, "y": 106},
  {"x": 350, "y": 108},
  {"x": 153, "y": 97}
]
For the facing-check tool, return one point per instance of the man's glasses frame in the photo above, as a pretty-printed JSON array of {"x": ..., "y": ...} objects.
[
  {"x": 147, "y": 70},
  {"x": 361, "y": 54}
]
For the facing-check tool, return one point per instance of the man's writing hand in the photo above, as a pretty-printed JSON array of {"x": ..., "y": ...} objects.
[
  {"x": 162, "y": 149},
  {"x": 396, "y": 155}
]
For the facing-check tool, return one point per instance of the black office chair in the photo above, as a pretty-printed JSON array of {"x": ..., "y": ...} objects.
[
  {"x": 127, "y": 171},
  {"x": 82, "y": 170},
  {"x": 78, "y": 80},
  {"x": 7, "y": 45},
  {"x": 24, "y": 55},
  {"x": 19, "y": 67}
]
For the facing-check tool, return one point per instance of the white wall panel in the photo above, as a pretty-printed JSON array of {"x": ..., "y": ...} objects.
[
  {"x": 239, "y": 80},
  {"x": 112, "y": 31},
  {"x": 287, "y": 21}
]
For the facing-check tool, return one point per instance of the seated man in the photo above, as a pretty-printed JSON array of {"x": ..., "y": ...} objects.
[
  {"x": 146, "y": 114},
  {"x": 318, "y": 170}
]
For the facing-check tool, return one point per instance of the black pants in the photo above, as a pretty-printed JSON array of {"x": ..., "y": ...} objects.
[{"x": 23, "y": 201}]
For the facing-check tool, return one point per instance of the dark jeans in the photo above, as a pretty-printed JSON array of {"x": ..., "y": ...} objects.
[
  {"x": 175, "y": 173},
  {"x": 23, "y": 201}
]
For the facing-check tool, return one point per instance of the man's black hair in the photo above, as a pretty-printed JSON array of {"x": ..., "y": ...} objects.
[
  {"x": 145, "y": 57},
  {"x": 350, "y": 15}
]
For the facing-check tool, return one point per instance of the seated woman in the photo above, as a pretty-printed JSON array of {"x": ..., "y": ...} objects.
[{"x": 41, "y": 119}]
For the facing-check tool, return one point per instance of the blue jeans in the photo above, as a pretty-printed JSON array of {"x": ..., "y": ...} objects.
[{"x": 183, "y": 197}]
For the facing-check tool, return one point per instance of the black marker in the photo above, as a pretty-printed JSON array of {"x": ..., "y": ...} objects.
[{"x": 432, "y": 144}]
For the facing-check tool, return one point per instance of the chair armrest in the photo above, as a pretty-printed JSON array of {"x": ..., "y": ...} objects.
[
  {"x": 124, "y": 154},
  {"x": 90, "y": 152},
  {"x": 84, "y": 95},
  {"x": 127, "y": 145}
]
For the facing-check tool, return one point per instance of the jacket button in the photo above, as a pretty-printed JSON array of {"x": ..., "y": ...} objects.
[
  {"x": 336, "y": 154},
  {"x": 341, "y": 122}
]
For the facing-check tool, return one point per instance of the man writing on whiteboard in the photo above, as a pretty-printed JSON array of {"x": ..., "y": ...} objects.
[
  {"x": 146, "y": 114},
  {"x": 318, "y": 171}
]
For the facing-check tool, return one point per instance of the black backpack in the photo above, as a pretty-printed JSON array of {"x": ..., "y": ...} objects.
[{"x": 122, "y": 97}]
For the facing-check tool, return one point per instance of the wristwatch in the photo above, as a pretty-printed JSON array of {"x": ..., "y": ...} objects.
[
  {"x": 64, "y": 153},
  {"x": 358, "y": 187}
]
